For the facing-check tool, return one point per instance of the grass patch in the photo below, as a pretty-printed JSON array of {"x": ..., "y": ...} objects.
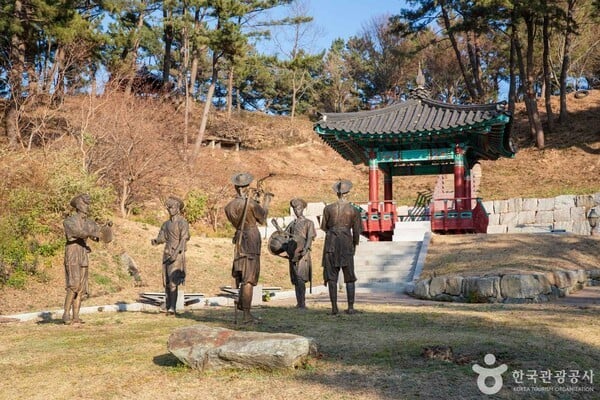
[{"x": 376, "y": 354}]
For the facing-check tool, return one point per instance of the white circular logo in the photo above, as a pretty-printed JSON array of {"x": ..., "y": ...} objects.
[{"x": 494, "y": 373}]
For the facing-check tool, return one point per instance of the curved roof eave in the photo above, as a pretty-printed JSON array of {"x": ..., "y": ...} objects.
[{"x": 486, "y": 127}]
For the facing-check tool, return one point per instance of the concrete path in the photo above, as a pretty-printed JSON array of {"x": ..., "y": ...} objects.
[{"x": 590, "y": 295}]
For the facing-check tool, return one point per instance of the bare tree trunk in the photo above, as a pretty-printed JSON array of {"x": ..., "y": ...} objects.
[
  {"x": 57, "y": 75},
  {"x": 168, "y": 39},
  {"x": 546, "y": 70},
  {"x": 526, "y": 74},
  {"x": 187, "y": 86},
  {"x": 134, "y": 50},
  {"x": 15, "y": 76},
  {"x": 229, "y": 90},
  {"x": 512, "y": 84},
  {"x": 453, "y": 41},
  {"x": 294, "y": 94},
  {"x": 124, "y": 196},
  {"x": 564, "y": 70},
  {"x": 207, "y": 104},
  {"x": 474, "y": 59}
]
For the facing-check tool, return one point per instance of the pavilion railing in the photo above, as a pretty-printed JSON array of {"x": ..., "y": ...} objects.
[{"x": 460, "y": 214}]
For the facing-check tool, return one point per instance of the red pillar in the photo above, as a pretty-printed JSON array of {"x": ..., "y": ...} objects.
[
  {"x": 388, "y": 196},
  {"x": 373, "y": 224},
  {"x": 468, "y": 188},
  {"x": 459, "y": 176}
]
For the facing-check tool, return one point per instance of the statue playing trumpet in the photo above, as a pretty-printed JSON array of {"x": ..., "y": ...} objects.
[{"x": 245, "y": 212}]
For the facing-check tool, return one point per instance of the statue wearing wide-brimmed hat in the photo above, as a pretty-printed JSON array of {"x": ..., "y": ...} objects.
[
  {"x": 341, "y": 186},
  {"x": 342, "y": 224},
  {"x": 78, "y": 228},
  {"x": 245, "y": 212}
]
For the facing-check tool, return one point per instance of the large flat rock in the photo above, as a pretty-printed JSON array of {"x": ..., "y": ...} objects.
[{"x": 203, "y": 347}]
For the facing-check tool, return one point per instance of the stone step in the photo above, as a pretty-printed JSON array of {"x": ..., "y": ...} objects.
[
  {"x": 389, "y": 287},
  {"x": 379, "y": 269},
  {"x": 387, "y": 266},
  {"x": 387, "y": 255},
  {"x": 385, "y": 245},
  {"x": 384, "y": 273},
  {"x": 383, "y": 280},
  {"x": 390, "y": 260}
]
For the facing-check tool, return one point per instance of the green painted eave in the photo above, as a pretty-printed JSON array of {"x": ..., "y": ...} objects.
[{"x": 489, "y": 139}]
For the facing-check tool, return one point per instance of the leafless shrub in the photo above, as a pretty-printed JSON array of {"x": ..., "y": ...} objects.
[{"x": 128, "y": 149}]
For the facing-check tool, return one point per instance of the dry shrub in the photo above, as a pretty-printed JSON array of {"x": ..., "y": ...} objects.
[{"x": 131, "y": 148}]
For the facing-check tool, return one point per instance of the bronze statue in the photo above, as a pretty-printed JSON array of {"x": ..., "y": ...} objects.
[
  {"x": 78, "y": 228},
  {"x": 245, "y": 213},
  {"x": 342, "y": 225},
  {"x": 174, "y": 233},
  {"x": 301, "y": 233}
]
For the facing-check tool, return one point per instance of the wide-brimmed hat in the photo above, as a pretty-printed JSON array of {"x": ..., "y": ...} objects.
[
  {"x": 342, "y": 186},
  {"x": 242, "y": 179},
  {"x": 176, "y": 201},
  {"x": 80, "y": 198}
]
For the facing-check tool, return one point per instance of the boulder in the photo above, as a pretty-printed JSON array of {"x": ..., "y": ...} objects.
[
  {"x": 562, "y": 279},
  {"x": 594, "y": 274},
  {"x": 481, "y": 289},
  {"x": 437, "y": 286},
  {"x": 205, "y": 348},
  {"x": 454, "y": 285},
  {"x": 422, "y": 289},
  {"x": 518, "y": 286}
]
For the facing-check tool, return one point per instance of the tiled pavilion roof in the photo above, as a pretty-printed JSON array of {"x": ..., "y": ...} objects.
[{"x": 419, "y": 123}]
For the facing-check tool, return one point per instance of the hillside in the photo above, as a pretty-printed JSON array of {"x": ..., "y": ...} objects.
[{"x": 303, "y": 166}]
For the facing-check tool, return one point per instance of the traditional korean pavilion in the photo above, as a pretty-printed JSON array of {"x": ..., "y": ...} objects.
[{"x": 421, "y": 136}]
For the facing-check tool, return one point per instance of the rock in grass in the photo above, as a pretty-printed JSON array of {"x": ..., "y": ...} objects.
[{"x": 208, "y": 348}]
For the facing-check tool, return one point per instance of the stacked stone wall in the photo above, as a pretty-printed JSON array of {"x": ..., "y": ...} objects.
[
  {"x": 566, "y": 213},
  {"x": 505, "y": 288}
]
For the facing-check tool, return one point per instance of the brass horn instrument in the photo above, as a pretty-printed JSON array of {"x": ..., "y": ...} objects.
[{"x": 259, "y": 193}]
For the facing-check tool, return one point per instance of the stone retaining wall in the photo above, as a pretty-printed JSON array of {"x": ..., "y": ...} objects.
[
  {"x": 505, "y": 288},
  {"x": 529, "y": 215}
]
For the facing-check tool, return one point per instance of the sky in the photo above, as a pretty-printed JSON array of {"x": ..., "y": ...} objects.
[
  {"x": 340, "y": 19},
  {"x": 346, "y": 18}
]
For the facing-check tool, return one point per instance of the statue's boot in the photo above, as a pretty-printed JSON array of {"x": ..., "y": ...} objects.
[
  {"x": 76, "y": 308},
  {"x": 245, "y": 300},
  {"x": 350, "y": 291},
  {"x": 172, "y": 304},
  {"x": 66, "y": 318},
  {"x": 333, "y": 296},
  {"x": 167, "y": 300},
  {"x": 300, "y": 294}
]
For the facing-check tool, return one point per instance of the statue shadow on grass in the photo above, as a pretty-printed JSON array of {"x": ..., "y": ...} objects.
[
  {"x": 167, "y": 360},
  {"x": 46, "y": 318}
]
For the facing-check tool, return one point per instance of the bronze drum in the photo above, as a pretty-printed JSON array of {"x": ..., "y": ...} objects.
[{"x": 278, "y": 244}]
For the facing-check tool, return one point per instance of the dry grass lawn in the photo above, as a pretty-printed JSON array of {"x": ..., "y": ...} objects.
[
  {"x": 480, "y": 254},
  {"x": 376, "y": 354}
]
